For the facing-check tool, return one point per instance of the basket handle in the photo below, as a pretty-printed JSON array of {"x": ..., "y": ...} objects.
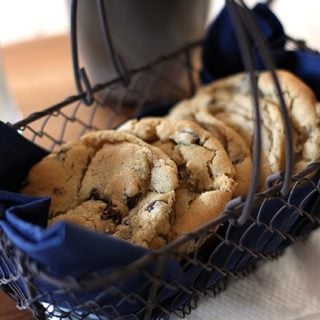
[
  {"x": 82, "y": 82},
  {"x": 118, "y": 64},
  {"x": 80, "y": 74},
  {"x": 247, "y": 33}
]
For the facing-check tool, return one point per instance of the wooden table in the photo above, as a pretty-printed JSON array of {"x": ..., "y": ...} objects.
[
  {"x": 39, "y": 73},
  {"x": 8, "y": 310}
]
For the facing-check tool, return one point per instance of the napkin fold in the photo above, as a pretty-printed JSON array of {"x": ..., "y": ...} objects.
[{"x": 221, "y": 54}]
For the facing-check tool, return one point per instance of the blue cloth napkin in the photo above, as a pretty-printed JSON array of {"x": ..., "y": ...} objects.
[
  {"x": 65, "y": 249},
  {"x": 16, "y": 157},
  {"x": 221, "y": 54}
]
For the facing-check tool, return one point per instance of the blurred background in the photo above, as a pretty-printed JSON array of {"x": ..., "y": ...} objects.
[{"x": 35, "y": 54}]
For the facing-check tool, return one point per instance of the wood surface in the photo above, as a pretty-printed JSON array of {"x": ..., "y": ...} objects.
[
  {"x": 39, "y": 73},
  {"x": 8, "y": 310}
]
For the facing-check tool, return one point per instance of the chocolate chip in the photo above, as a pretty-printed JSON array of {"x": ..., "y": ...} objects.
[
  {"x": 237, "y": 161},
  {"x": 152, "y": 205},
  {"x": 94, "y": 194},
  {"x": 132, "y": 201},
  {"x": 183, "y": 172},
  {"x": 58, "y": 191},
  {"x": 110, "y": 213},
  {"x": 212, "y": 101},
  {"x": 195, "y": 138},
  {"x": 125, "y": 222}
]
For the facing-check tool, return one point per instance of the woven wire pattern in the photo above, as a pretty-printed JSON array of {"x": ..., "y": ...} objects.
[
  {"x": 276, "y": 220},
  {"x": 150, "y": 90}
]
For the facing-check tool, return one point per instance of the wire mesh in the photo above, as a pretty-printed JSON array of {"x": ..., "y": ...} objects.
[
  {"x": 276, "y": 218},
  {"x": 72, "y": 118},
  {"x": 275, "y": 223}
]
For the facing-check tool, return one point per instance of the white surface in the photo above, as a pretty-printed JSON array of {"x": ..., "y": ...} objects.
[
  {"x": 284, "y": 289},
  {"x": 287, "y": 288},
  {"x": 300, "y": 19},
  {"x": 22, "y": 20}
]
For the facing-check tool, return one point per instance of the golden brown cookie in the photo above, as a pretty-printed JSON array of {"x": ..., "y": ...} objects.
[
  {"x": 206, "y": 174},
  {"x": 59, "y": 175},
  {"x": 114, "y": 177},
  {"x": 230, "y": 101},
  {"x": 87, "y": 214},
  {"x": 304, "y": 112},
  {"x": 236, "y": 147}
]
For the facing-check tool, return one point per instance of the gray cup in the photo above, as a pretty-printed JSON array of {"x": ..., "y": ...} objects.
[{"x": 141, "y": 31}]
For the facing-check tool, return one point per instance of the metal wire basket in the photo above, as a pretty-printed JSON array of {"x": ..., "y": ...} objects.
[{"x": 257, "y": 228}]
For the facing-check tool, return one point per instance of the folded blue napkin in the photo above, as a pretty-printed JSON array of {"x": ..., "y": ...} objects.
[{"x": 221, "y": 54}]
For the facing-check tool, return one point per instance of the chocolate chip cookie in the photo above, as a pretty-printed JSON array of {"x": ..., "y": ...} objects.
[
  {"x": 236, "y": 147},
  {"x": 205, "y": 172},
  {"x": 303, "y": 110},
  {"x": 230, "y": 101},
  {"x": 113, "y": 182}
]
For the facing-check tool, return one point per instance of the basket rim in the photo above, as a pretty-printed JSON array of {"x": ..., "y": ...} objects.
[
  {"x": 101, "y": 86},
  {"x": 28, "y": 266}
]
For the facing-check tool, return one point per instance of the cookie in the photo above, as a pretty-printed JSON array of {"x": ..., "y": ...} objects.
[
  {"x": 302, "y": 107},
  {"x": 303, "y": 110},
  {"x": 236, "y": 147},
  {"x": 205, "y": 172},
  {"x": 59, "y": 175},
  {"x": 87, "y": 214},
  {"x": 114, "y": 177},
  {"x": 230, "y": 101}
]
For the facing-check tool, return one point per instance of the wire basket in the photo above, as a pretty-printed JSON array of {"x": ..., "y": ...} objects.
[{"x": 257, "y": 228}]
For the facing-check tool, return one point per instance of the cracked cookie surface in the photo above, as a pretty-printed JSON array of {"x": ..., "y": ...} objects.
[
  {"x": 230, "y": 101},
  {"x": 205, "y": 172},
  {"x": 236, "y": 147},
  {"x": 304, "y": 113},
  {"x": 105, "y": 181}
]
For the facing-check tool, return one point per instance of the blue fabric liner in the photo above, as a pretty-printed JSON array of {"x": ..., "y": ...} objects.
[
  {"x": 221, "y": 54},
  {"x": 16, "y": 157},
  {"x": 65, "y": 249}
]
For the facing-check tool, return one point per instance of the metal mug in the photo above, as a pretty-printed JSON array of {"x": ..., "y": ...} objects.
[{"x": 140, "y": 31}]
